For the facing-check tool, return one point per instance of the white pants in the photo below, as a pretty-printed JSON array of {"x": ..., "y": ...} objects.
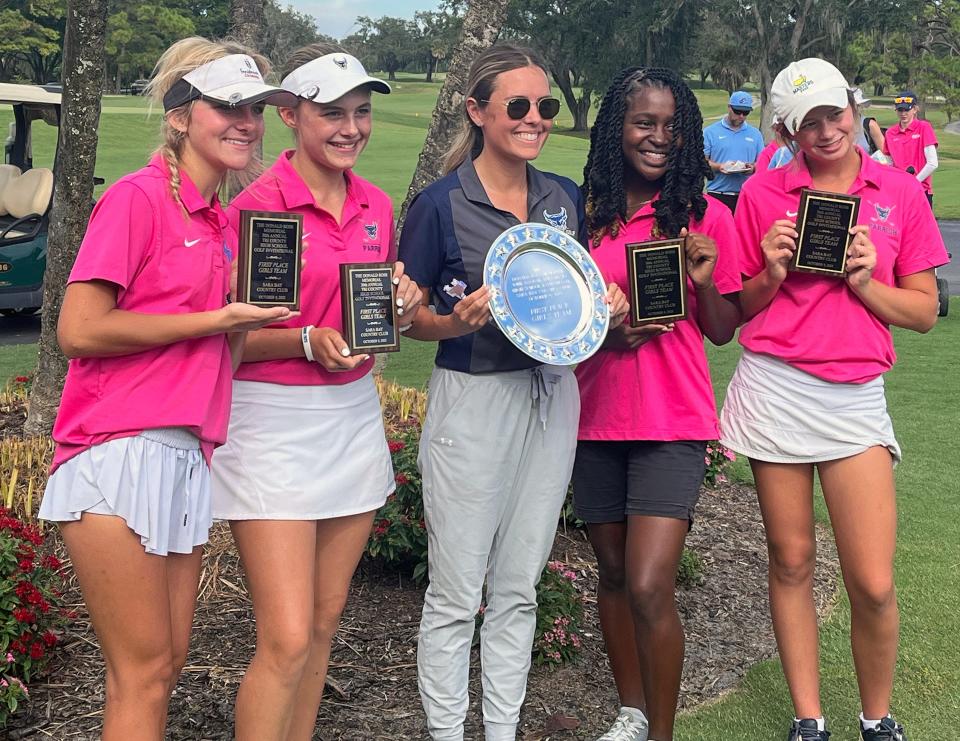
[{"x": 496, "y": 455}]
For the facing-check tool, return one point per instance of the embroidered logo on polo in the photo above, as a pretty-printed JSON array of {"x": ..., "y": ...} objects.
[
  {"x": 456, "y": 288},
  {"x": 881, "y": 222},
  {"x": 559, "y": 219},
  {"x": 190, "y": 242},
  {"x": 372, "y": 230},
  {"x": 791, "y": 214}
]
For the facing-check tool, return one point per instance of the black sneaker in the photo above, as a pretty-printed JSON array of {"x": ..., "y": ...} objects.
[
  {"x": 888, "y": 730},
  {"x": 806, "y": 729}
]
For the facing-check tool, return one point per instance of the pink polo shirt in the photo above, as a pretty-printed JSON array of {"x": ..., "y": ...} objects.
[
  {"x": 905, "y": 146},
  {"x": 365, "y": 234},
  {"x": 816, "y": 323},
  {"x": 662, "y": 389},
  {"x": 162, "y": 262}
]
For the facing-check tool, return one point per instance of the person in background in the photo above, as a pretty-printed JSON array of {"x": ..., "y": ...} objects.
[
  {"x": 732, "y": 146},
  {"x": 912, "y": 144},
  {"x": 870, "y": 137}
]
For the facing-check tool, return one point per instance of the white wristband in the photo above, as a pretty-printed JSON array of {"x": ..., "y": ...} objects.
[{"x": 305, "y": 339}]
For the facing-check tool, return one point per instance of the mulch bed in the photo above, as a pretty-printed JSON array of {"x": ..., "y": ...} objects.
[{"x": 372, "y": 692}]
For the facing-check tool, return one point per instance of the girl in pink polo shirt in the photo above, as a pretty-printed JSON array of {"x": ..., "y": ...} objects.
[
  {"x": 808, "y": 391},
  {"x": 147, "y": 323},
  {"x": 306, "y": 463},
  {"x": 647, "y": 405}
]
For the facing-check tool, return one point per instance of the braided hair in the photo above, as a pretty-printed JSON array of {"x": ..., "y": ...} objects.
[{"x": 681, "y": 196}]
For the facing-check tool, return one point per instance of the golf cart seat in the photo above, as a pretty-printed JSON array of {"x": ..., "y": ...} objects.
[
  {"x": 7, "y": 173},
  {"x": 26, "y": 200}
]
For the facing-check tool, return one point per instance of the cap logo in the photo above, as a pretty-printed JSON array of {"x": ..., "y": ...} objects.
[
  {"x": 801, "y": 84},
  {"x": 248, "y": 63},
  {"x": 340, "y": 61}
]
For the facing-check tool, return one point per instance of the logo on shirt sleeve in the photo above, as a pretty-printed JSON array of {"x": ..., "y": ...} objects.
[{"x": 456, "y": 288}]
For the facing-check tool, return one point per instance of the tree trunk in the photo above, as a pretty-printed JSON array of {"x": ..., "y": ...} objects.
[
  {"x": 83, "y": 67},
  {"x": 579, "y": 107},
  {"x": 481, "y": 26},
  {"x": 246, "y": 21}
]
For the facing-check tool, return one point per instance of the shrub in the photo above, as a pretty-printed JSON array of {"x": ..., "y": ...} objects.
[
  {"x": 718, "y": 460},
  {"x": 399, "y": 534},
  {"x": 559, "y": 616},
  {"x": 691, "y": 572},
  {"x": 30, "y": 610}
]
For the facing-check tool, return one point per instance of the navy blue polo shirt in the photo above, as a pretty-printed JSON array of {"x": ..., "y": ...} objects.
[{"x": 448, "y": 231}]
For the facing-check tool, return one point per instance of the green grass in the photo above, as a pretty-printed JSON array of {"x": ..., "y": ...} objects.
[{"x": 17, "y": 360}]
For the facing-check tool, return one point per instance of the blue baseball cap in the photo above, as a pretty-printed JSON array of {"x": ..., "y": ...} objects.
[
  {"x": 905, "y": 101},
  {"x": 742, "y": 100}
]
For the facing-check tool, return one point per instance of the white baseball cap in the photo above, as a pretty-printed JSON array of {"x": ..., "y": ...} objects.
[
  {"x": 805, "y": 85},
  {"x": 329, "y": 77},
  {"x": 233, "y": 80}
]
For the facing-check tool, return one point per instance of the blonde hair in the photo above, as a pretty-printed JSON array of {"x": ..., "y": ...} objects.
[
  {"x": 179, "y": 60},
  {"x": 481, "y": 82}
]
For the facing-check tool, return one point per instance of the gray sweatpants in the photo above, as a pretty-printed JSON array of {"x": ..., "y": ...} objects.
[{"x": 496, "y": 455}]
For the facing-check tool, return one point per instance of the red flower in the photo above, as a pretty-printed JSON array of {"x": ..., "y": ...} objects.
[
  {"x": 18, "y": 647},
  {"x": 49, "y": 638},
  {"x": 23, "y": 615},
  {"x": 36, "y": 650},
  {"x": 401, "y": 479},
  {"x": 22, "y": 379},
  {"x": 396, "y": 446},
  {"x": 52, "y": 562},
  {"x": 26, "y": 564}
]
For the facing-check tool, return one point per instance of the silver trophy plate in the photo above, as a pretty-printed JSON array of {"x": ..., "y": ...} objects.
[{"x": 546, "y": 294}]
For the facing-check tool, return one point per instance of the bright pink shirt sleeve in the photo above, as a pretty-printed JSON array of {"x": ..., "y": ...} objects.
[{"x": 115, "y": 244}]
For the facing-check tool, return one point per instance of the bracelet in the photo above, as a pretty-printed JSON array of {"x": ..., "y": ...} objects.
[{"x": 305, "y": 339}]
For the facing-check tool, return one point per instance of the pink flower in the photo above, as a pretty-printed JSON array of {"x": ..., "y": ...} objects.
[
  {"x": 10, "y": 658},
  {"x": 729, "y": 454}
]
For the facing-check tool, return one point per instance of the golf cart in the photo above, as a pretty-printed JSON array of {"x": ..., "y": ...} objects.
[{"x": 26, "y": 194}]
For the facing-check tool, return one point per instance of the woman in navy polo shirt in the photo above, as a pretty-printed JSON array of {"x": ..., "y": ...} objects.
[{"x": 499, "y": 438}]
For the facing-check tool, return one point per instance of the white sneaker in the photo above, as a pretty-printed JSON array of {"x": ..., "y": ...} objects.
[{"x": 626, "y": 728}]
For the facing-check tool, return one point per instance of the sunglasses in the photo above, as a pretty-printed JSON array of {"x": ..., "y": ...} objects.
[
  {"x": 517, "y": 108},
  {"x": 909, "y": 100},
  {"x": 742, "y": 111}
]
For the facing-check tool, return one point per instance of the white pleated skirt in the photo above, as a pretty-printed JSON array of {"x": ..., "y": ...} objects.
[
  {"x": 302, "y": 453},
  {"x": 157, "y": 481},
  {"x": 776, "y": 413}
]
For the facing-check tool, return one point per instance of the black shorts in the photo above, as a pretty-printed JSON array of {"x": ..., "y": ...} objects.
[{"x": 616, "y": 478}]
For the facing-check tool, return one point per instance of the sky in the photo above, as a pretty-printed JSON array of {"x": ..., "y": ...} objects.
[{"x": 337, "y": 17}]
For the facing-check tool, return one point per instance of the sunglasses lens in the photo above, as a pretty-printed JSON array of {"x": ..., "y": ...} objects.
[
  {"x": 548, "y": 107},
  {"x": 518, "y": 108}
]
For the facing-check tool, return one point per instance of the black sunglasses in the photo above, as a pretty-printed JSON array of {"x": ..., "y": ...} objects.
[
  {"x": 517, "y": 108},
  {"x": 742, "y": 111}
]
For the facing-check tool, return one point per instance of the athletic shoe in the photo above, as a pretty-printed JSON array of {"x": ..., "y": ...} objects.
[
  {"x": 888, "y": 730},
  {"x": 626, "y": 728},
  {"x": 805, "y": 729}
]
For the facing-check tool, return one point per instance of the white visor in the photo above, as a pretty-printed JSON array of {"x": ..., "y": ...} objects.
[
  {"x": 327, "y": 78},
  {"x": 233, "y": 80}
]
